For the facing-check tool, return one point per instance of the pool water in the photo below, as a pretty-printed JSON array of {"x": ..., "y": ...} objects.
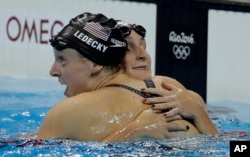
[{"x": 22, "y": 112}]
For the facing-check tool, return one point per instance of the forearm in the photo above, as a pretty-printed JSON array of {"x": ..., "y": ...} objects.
[
  {"x": 202, "y": 120},
  {"x": 204, "y": 124}
]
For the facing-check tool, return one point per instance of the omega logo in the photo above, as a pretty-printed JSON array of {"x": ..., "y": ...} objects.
[{"x": 36, "y": 30}]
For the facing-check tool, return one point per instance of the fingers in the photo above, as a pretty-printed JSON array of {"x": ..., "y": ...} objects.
[
  {"x": 172, "y": 112},
  {"x": 170, "y": 87},
  {"x": 167, "y": 86},
  {"x": 155, "y": 91},
  {"x": 158, "y": 100},
  {"x": 173, "y": 118}
]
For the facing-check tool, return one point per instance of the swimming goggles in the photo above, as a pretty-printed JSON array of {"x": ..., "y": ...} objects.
[
  {"x": 58, "y": 42},
  {"x": 126, "y": 28}
]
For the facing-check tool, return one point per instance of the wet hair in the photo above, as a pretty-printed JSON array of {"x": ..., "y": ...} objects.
[{"x": 95, "y": 37}]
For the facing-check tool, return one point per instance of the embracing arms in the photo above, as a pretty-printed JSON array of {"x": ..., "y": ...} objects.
[{"x": 181, "y": 104}]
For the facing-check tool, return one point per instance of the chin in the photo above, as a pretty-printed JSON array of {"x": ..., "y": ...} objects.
[{"x": 67, "y": 93}]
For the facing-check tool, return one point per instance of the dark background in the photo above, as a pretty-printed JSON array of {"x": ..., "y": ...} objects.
[{"x": 191, "y": 18}]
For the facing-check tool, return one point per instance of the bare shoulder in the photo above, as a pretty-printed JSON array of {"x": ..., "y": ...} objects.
[
  {"x": 166, "y": 79},
  {"x": 76, "y": 117}
]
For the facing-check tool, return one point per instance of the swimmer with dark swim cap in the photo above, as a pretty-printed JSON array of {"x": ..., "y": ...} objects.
[
  {"x": 95, "y": 37},
  {"x": 89, "y": 54}
]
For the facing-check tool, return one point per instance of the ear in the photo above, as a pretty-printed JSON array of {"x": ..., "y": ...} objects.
[{"x": 96, "y": 68}]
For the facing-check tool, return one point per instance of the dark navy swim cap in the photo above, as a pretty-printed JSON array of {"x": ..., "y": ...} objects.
[{"x": 95, "y": 37}]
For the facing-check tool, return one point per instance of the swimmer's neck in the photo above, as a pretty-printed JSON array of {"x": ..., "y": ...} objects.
[{"x": 106, "y": 80}]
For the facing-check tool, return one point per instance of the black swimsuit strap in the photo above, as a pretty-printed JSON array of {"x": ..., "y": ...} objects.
[{"x": 149, "y": 84}]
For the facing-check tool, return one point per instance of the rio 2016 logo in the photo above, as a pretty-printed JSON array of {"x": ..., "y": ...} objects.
[
  {"x": 181, "y": 52},
  {"x": 181, "y": 49}
]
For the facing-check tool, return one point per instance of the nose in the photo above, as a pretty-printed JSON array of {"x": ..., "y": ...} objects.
[
  {"x": 141, "y": 57},
  {"x": 141, "y": 54},
  {"x": 54, "y": 70}
]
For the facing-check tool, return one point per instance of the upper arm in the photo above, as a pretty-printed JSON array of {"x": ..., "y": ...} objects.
[
  {"x": 50, "y": 126},
  {"x": 56, "y": 122}
]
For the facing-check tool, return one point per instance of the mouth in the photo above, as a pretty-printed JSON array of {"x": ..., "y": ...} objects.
[
  {"x": 143, "y": 67},
  {"x": 63, "y": 84},
  {"x": 65, "y": 92}
]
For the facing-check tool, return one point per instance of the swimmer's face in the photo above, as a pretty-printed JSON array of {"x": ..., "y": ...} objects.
[
  {"x": 72, "y": 70},
  {"x": 137, "y": 60}
]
